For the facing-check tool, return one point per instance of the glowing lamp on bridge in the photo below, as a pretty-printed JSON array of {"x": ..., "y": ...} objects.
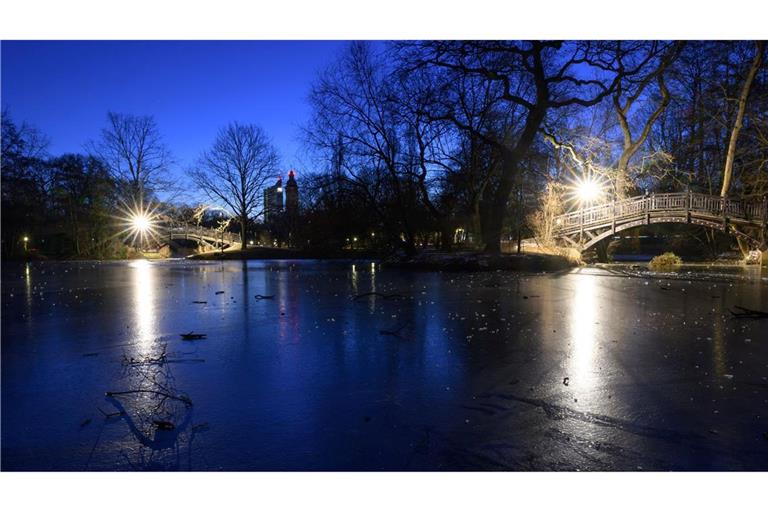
[{"x": 588, "y": 190}]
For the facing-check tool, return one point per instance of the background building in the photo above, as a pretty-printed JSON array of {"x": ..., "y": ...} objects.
[
  {"x": 281, "y": 210},
  {"x": 291, "y": 197},
  {"x": 273, "y": 201}
]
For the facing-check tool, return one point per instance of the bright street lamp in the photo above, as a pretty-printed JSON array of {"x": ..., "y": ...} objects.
[
  {"x": 588, "y": 190},
  {"x": 141, "y": 223}
]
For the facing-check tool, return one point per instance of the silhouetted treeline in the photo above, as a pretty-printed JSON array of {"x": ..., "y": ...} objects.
[
  {"x": 442, "y": 143},
  {"x": 74, "y": 205},
  {"x": 438, "y": 138}
]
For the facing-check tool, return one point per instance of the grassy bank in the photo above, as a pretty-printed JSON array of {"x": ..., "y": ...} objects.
[{"x": 276, "y": 253}]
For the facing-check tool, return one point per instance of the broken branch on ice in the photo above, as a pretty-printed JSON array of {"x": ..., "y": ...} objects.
[
  {"x": 180, "y": 398},
  {"x": 748, "y": 313}
]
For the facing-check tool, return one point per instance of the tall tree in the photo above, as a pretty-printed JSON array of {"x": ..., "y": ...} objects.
[
  {"x": 235, "y": 170},
  {"x": 136, "y": 155},
  {"x": 728, "y": 169},
  {"x": 83, "y": 195},
  {"x": 638, "y": 69},
  {"x": 529, "y": 79},
  {"x": 357, "y": 124},
  {"x": 25, "y": 183}
]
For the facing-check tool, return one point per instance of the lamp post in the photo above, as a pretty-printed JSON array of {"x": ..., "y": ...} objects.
[{"x": 25, "y": 240}]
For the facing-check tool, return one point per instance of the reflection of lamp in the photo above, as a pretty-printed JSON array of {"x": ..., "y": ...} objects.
[
  {"x": 144, "y": 303},
  {"x": 583, "y": 319}
]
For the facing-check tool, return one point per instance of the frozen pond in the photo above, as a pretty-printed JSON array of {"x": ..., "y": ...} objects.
[{"x": 591, "y": 369}]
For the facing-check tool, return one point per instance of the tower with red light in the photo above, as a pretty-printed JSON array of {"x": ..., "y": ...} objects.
[{"x": 291, "y": 197}]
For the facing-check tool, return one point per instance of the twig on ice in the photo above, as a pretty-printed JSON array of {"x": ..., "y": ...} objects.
[
  {"x": 180, "y": 398},
  {"x": 377, "y": 294},
  {"x": 748, "y": 313}
]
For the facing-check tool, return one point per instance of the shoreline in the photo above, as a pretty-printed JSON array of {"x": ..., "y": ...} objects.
[{"x": 460, "y": 261}]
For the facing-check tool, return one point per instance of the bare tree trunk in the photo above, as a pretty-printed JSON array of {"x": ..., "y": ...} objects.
[
  {"x": 520, "y": 213},
  {"x": 509, "y": 171},
  {"x": 728, "y": 170},
  {"x": 631, "y": 146},
  {"x": 446, "y": 236},
  {"x": 243, "y": 229}
]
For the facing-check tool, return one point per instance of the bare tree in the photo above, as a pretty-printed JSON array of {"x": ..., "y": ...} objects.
[
  {"x": 236, "y": 169},
  {"x": 357, "y": 123},
  {"x": 728, "y": 170},
  {"x": 637, "y": 75},
  {"x": 135, "y": 154},
  {"x": 530, "y": 79}
]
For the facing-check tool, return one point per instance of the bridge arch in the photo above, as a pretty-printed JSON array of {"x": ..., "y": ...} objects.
[
  {"x": 211, "y": 239},
  {"x": 727, "y": 229},
  {"x": 586, "y": 227}
]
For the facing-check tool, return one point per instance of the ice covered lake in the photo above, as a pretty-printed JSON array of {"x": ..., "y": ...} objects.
[{"x": 310, "y": 365}]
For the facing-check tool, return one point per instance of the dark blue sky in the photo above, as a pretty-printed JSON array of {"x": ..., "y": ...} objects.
[{"x": 65, "y": 88}]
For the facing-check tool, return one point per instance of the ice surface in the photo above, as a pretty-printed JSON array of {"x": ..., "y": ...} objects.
[{"x": 464, "y": 371}]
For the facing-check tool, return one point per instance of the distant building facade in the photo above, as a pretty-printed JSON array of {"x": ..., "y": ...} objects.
[
  {"x": 273, "y": 201},
  {"x": 282, "y": 203}
]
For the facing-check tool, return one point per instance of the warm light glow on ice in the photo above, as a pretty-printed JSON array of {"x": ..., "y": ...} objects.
[
  {"x": 583, "y": 317},
  {"x": 143, "y": 304}
]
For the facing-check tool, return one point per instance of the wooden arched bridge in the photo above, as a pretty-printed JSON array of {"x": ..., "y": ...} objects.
[
  {"x": 584, "y": 228},
  {"x": 212, "y": 239}
]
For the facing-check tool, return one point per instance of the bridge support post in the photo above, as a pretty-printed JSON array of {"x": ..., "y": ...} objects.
[
  {"x": 764, "y": 228},
  {"x": 688, "y": 207},
  {"x": 648, "y": 209}
]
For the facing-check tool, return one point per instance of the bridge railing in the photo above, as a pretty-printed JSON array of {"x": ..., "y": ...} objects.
[
  {"x": 202, "y": 233},
  {"x": 714, "y": 206}
]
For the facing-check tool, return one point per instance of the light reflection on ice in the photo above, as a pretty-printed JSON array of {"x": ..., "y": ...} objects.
[
  {"x": 354, "y": 279},
  {"x": 28, "y": 289},
  {"x": 583, "y": 332},
  {"x": 144, "y": 303}
]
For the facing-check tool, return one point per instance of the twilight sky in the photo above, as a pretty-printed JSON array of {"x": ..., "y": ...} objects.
[{"x": 65, "y": 88}]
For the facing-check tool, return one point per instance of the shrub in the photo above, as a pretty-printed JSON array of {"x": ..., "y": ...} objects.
[{"x": 665, "y": 261}]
